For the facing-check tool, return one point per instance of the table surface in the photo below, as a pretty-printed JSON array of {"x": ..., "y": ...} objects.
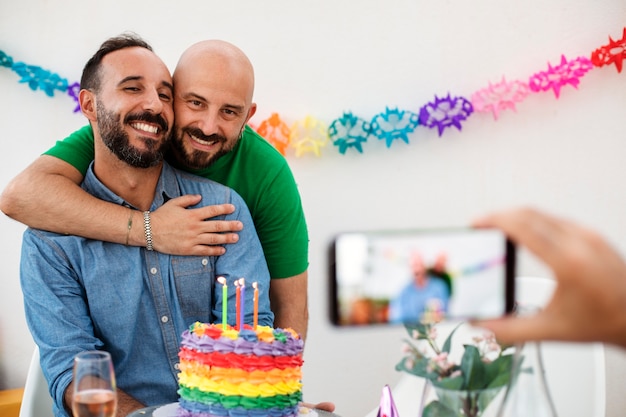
[
  {"x": 143, "y": 412},
  {"x": 147, "y": 412}
]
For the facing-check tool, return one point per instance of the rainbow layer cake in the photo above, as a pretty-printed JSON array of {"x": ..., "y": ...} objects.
[{"x": 239, "y": 373}]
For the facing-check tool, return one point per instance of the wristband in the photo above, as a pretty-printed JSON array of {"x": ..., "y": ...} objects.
[{"x": 147, "y": 229}]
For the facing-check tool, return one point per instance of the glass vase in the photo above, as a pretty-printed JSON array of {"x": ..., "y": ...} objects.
[
  {"x": 528, "y": 393},
  {"x": 442, "y": 402}
]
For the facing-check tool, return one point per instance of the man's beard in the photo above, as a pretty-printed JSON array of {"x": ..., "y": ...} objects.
[
  {"x": 117, "y": 140},
  {"x": 199, "y": 159}
]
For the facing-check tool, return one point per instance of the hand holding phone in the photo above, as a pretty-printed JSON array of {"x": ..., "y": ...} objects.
[{"x": 410, "y": 276}]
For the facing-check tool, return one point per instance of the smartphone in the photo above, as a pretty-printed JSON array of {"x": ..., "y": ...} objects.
[{"x": 388, "y": 277}]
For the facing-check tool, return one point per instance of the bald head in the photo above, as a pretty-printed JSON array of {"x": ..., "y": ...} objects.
[
  {"x": 213, "y": 87},
  {"x": 218, "y": 59}
]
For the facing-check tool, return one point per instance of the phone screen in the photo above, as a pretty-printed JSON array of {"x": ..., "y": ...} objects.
[{"x": 410, "y": 276}]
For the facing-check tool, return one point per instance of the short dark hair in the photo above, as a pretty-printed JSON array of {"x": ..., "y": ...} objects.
[{"x": 90, "y": 79}]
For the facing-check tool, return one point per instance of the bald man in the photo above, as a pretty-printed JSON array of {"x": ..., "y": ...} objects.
[
  {"x": 211, "y": 111},
  {"x": 213, "y": 86}
]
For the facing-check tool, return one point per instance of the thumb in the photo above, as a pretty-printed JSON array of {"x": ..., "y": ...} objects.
[{"x": 512, "y": 330}]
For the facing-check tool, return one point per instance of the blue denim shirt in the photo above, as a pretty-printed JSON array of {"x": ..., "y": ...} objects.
[{"x": 82, "y": 294}]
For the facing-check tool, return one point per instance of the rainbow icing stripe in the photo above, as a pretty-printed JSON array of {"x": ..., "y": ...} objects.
[{"x": 239, "y": 373}]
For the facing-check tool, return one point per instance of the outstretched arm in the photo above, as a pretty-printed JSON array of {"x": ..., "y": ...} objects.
[
  {"x": 589, "y": 301},
  {"x": 47, "y": 195}
]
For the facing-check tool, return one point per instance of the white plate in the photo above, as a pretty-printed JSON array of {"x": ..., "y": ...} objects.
[
  {"x": 308, "y": 412},
  {"x": 168, "y": 410}
]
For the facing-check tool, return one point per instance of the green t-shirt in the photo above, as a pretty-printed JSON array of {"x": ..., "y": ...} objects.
[{"x": 255, "y": 170}]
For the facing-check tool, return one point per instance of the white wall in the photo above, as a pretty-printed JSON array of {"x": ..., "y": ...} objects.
[{"x": 325, "y": 57}]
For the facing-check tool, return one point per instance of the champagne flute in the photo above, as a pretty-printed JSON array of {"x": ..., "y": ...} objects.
[{"x": 94, "y": 385}]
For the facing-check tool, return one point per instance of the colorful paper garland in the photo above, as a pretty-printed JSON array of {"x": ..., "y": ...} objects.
[
  {"x": 38, "y": 78},
  {"x": 349, "y": 131},
  {"x": 352, "y": 132},
  {"x": 500, "y": 96}
]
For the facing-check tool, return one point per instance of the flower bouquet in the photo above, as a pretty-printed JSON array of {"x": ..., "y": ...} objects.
[{"x": 465, "y": 388}]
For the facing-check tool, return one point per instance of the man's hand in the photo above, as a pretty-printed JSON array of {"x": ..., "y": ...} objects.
[
  {"x": 125, "y": 403},
  {"x": 588, "y": 302},
  {"x": 324, "y": 406},
  {"x": 180, "y": 231}
]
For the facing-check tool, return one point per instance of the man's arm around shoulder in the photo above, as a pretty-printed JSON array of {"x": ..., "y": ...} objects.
[
  {"x": 34, "y": 190},
  {"x": 47, "y": 196}
]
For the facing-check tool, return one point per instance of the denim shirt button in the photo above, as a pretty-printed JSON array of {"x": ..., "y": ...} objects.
[
  {"x": 205, "y": 261},
  {"x": 165, "y": 319},
  {"x": 176, "y": 366},
  {"x": 153, "y": 271}
]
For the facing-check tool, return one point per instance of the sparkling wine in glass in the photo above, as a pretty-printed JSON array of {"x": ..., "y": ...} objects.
[{"x": 94, "y": 385}]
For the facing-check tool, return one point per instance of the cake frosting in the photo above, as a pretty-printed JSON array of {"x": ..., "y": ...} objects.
[{"x": 252, "y": 372}]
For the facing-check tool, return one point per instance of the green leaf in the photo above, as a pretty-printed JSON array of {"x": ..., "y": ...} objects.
[
  {"x": 473, "y": 369},
  {"x": 450, "y": 383},
  {"x": 413, "y": 349},
  {"x": 419, "y": 368},
  {"x": 498, "y": 372},
  {"x": 403, "y": 367},
  {"x": 500, "y": 381},
  {"x": 422, "y": 329},
  {"x": 437, "y": 409},
  {"x": 447, "y": 345},
  {"x": 514, "y": 371}
]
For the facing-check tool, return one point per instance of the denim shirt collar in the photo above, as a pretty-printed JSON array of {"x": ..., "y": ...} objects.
[{"x": 166, "y": 189}]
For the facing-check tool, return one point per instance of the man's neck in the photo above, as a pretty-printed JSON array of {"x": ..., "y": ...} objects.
[{"x": 135, "y": 185}]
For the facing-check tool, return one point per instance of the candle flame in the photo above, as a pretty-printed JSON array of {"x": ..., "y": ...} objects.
[
  {"x": 242, "y": 282},
  {"x": 221, "y": 280},
  {"x": 254, "y": 285}
]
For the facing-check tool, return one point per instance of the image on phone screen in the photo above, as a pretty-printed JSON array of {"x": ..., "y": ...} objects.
[{"x": 417, "y": 276}]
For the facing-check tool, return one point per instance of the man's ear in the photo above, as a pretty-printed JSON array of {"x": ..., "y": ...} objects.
[
  {"x": 87, "y": 101},
  {"x": 251, "y": 111}
]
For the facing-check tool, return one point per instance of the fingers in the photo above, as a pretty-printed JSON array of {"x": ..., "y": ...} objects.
[
  {"x": 221, "y": 226},
  {"x": 205, "y": 250},
  {"x": 211, "y": 237},
  {"x": 205, "y": 212},
  {"x": 539, "y": 232},
  {"x": 186, "y": 200},
  {"x": 324, "y": 406},
  {"x": 209, "y": 212},
  {"x": 591, "y": 288},
  {"x": 512, "y": 330},
  {"x": 180, "y": 230},
  {"x": 201, "y": 214}
]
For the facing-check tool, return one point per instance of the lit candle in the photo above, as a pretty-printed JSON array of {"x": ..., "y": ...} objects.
[
  {"x": 256, "y": 304},
  {"x": 242, "y": 283},
  {"x": 237, "y": 303},
  {"x": 222, "y": 281}
]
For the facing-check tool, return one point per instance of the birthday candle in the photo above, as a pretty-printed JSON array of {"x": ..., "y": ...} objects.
[
  {"x": 256, "y": 304},
  {"x": 237, "y": 303},
  {"x": 242, "y": 283},
  {"x": 222, "y": 281}
]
